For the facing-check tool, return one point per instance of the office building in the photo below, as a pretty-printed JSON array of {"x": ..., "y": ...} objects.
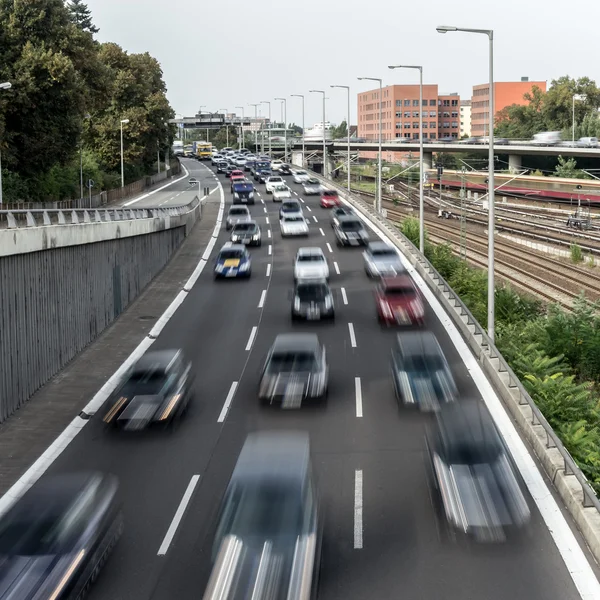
[{"x": 465, "y": 118}]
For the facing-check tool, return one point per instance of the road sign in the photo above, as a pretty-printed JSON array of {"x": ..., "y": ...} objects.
[{"x": 91, "y": 183}]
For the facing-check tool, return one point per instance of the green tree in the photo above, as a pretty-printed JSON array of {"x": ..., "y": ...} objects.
[
  {"x": 341, "y": 131},
  {"x": 568, "y": 168},
  {"x": 82, "y": 16}
]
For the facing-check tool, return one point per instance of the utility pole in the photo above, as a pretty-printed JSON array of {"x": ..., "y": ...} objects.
[{"x": 463, "y": 219}]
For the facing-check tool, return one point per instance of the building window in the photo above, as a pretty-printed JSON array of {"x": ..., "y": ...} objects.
[
  {"x": 446, "y": 115},
  {"x": 415, "y": 136},
  {"x": 406, "y": 125},
  {"x": 398, "y": 102},
  {"x": 398, "y": 125},
  {"x": 454, "y": 102},
  {"x": 439, "y": 102},
  {"x": 415, "y": 113},
  {"x": 407, "y": 114},
  {"x": 454, "y": 114},
  {"x": 415, "y": 103},
  {"x": 398, "y": 114},
  {"x": 433, "y": 124},
  {"x": 415, "y": 125},
  {"x": 432, "y": 102},
  {"x": 424, "y": 102},
  {"x": 432, "y": 136},
  {"x": 455, "y": 135},
  {"x": 446, "y": 125},
  {"x": 407, "y": 103},
  {"x": 424, "y": 135},
  {"x": 454, "y": 125},
  {"x": 424, "y": 125},
  {"x": 446, "y": 102},
  {"x": 432, "y": 113},
  {"x": 440, "y": 114}
]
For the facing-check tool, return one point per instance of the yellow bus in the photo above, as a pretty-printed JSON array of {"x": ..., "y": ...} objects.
[{"x": 203, "y": 150}]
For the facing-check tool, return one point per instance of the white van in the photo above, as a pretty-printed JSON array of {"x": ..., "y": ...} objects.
[{"x": 587, "y": 142}]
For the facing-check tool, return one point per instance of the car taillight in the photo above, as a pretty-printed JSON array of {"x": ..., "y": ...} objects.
[{"x": 385, "y": 308}]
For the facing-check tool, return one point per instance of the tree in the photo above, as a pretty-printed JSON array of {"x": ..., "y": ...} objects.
[
  {"x": 295, "y": 129},
  {"x": 341, "y": 131},
  {"x": 81, "y": 16},
  {"x": 568, "y": 168}
]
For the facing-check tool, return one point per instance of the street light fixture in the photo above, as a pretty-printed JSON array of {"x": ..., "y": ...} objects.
[
  {"x": 324, "y": 145},
  {"x": 303, "y": 143},
  {"x": 378, "y": 207},
  {"x": 421, "y": 171},
  {"x": 491, "y": 191},
  {"x": 86, "y": 116},
  {"x": 242, "y": 128},
  {"x": 347, "y": 88},
  {"x": 226, "y": 126},
  {"x": 123, "y": 122},
  {"x": 285, "y": 146},
  {"x": 256, "y": 105},
  {"x": 269, "y": 103},
  {"x": 3, "y": 86}
]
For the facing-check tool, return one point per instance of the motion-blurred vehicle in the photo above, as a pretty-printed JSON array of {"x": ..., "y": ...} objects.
[
  {"x": 236, "y": 214},
  {"x": 236, "y": 179},
  {"x": 281, "y": 192},
  {"x": 587, "y": 142},
  {"x": 382, "y": 260},
  {"x": 350, "y": 231},
  {"x": 301, "y": 176},
  {"x": 247, "y": 233},
  {"x": 310, "y": 263},
  {"x": 289, "y": 208},
  {"x": 312, "y": 301},
  {"x": 330, "y": 199},
  {"x": 155, "y": 391},
  {"x": 295, "y": 370},
  {"x": 243, "y": 192},
  {"x": 420, "y": 371},
  {"x": 233, "y": 261},
  {"x": 230, "y": 169},
  {"x": 285, "y": 169},
  {"x": 268, "y": 539},
  {"x": 476, "y": 482},
  {"x": 263, "y": 175},
  {"x": 276, "y": 165},
  {"x": 399, "y": 302},
  {"x": 215, "y": 158},
  {"x": 546, "y": 138},
  {"x": 222, "y": 166},
  {"x": 293, "y": 225},
  {"x": 240, "y": 162},
  {"x": 260, "y": 165},
  {"x": 249, "y": 165},
  {"x": 56, "y": 538},
  {"x": 340, "y": 211},
  {"x": 272, "y": 182},
  {"x": 312, "y": 187}
]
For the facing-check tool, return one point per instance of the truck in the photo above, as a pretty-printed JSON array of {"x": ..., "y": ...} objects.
[{"x": 203, "y": 150}]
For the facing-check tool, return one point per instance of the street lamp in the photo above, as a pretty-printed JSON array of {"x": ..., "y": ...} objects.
[
  {"x": 378, "y": 208},
  {"x": 269, "y": 103},
  {"x": 421, "y": 172},
  {"x": 123, "y": 122},
  {"x": 491, "y": 192},
  {"x": 285, "y": 147},
  {"x": 3, "y": 86},
  {"x": 303, "y": 146},
  {"x": 256, "y": 105},
  {"x": 242, "y": 129},
  {"x": 324, "y": 145},
  {"x": 580, "y": 97},
  {"x": 347, "y": 88},
  {"x": 86, "y": 116},
  {"x": 226, "y": 126}
]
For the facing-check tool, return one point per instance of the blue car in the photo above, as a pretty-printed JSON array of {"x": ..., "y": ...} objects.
[
  {"x": 263, "y": 175},
  {"x": 233, "y": 261}
]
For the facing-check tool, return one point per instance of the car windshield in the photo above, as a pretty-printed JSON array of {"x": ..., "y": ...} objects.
[
  {"x": 311, "y": 258},
  {"x": 301, "y": 173},
  {"x": 462, "y": 449},
  {"x": 290, "y": 207},
  {"x": 286, "y": 362},
  {"x": 229, "y": 254},
  {"x": 384, "y": 253},
  {"x": 234, "y": 212},
  {"x": 419, "y": 363},
  {"x": 144, "y": 383},
  {"x": 330, "y": 193},
  {"x": 293, "y": 219},
  {"x": 351, "y": 226},
  {"x": 312, "y": 292},
  {"x": 400, "y": 290},
  {"x": 275, "y": 180},
  {"x": 313, "y": 182},
  {"x": 281, "y": 188},
  {"x": 245, "y": 228},
  {"x": 242, "y": 187}
]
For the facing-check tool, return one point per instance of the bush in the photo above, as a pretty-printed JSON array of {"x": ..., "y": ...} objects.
[{"x": 576, "y": 253}]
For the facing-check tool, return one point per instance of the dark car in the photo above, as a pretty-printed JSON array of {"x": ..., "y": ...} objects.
[
  {"x": 55, "y": 539},
  {"x": 477, "y": 486},
  {"x": 350, "y": 231},
  {"x": 340, "y": 211},
  {"x": 247, "y": 233},
  {"x": 312, "y": 301},
  {"x": 243, "y": 192},
  {"x": 249, "y": 165},
  {"x": 222, "y": 166},
  {"x": 285, "y": 169},
  {"x": 420, "y": 371},
  {"x": 259, "y": 165},
  {"x": 156, "y": 390},
  {"x": 268, "y": 538},
  {"x": 295, "y": 370},
  {"x": 263, "y": 175},
  {"x": 233, "y": 261},
  {"x": 230, "y": 169}
]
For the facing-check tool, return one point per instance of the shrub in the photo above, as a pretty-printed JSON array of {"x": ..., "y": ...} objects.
[{"x": 576, "y": 253}]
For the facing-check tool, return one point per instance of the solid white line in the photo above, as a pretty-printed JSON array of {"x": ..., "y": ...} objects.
[
  {"x": 160, "y": 188},
  {"x": 358, "y": 394},
  {"x": 352, "y": 336},
  {"x": 251, "y": 338},
  {"x": 321, "y": 230},
  {"x": 267, "y": 219},
  {"x": 337, "y": 269},
  {"x": 315, "y": 218},
  {"x": 269, "y": 270},
  {"x": 358, "y": 510},
  {"x": 329, "y": 247},
  {"x": 269, "y": 233},
  {"x": 309, "y": 209},
  {"x": 187, "y": 496},
  {"x": 270, "y": 249},
  {"x": 344, "y": 297},
  {"x": 261, "y": 302},
  {"x": 227, "y": 404}
]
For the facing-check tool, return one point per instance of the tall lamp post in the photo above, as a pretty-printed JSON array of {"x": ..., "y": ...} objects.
[
  {"x": 226, "y": 126},
  {"x": 378, "y": 208},
  {"x": 491, "y": 192},
  {"x": 256, "y": 105},
  {"x": 87, "y": 116},
  {"x": 576, "y": 97},
  {"x": 303, "y": 143},
  {"x": 421, "y": 172},
  {"x": 269, "y": 103},
  {"x": 242, "y": 130},
  {"x": 4, "y": 86},
  {"x": 285, "y": 146},
  {"x": 347, "y": 88},
  {"x": 324, "y": 144},
  {"x": 123, "y": 122}
]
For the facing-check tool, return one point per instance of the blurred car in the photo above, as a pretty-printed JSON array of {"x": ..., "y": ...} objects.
[
  {"x": 237, "y": 173},
  {"x": 340, "y": 211},
  {"x": 236, "y": 178},
  {"x": 240, "y": 162},
  {"x": 236, "y": 214},
  {"x": 243, "y": 192},
  {"x": 382, "y": 260},
  {"x": 312, "y": 301},
  {"x": 215, "y": 158},
  {"x": 222, "y": 166},
  {"x": 272, "y": 182},
  {"x": 293, "y": 225},
  {"x": 268, "y": 538},
  {"x": 301, "y": 176},
  {"x": 276, "y": 165},
  {"x": 156, "y": 390},
  {"x": 249, "y": 165},
  {"x": 420, "y": 371},
  {"x": 350, "y": 231},
  {"x": 476, "y": 483},
  {"x": 312, "y": 187},
  {"x": 310, "y": 263},
  {"x": 296, "y": 369},
  {"x": 285, "y": 169},
  {"x": 230, "y": 169},
  {"x": 233, "y": 261},
  {"x": 262, "y": 175},
  {"x": 289, "y": 208},
  {"x": 281, "y": 192},
  {"x": 247, "y": 233},
  {"x": 399, "y": 302},
  {"x": 260, "y": 165},
  {"x": 330, "y": 198},
  {"x": 55, "y": 539}
]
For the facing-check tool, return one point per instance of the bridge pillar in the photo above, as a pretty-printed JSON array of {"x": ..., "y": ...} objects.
[
  {"x": 514, "y": 163},
  {"x": 427, "y": 160}
]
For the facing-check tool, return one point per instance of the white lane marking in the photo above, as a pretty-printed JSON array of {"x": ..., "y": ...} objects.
[
  {"x": 187, "y": 496},
  {"x": 265, "y": 208},
  {"x": 344, "y": 297},
  {"x": 261, "y": 302},
  {"x": 269, "y": 270},
  {"x": 262, "y": 200},
  {"x": 321, "y": 230},
  {"x": 315, "y": 218},
  {"x": 336, "y": 267},
  {"x": 267, "y": 219},
  {"x": 160, "y": 188},
  {"x": 329, "y": 247},
  {"x": 309, "y": 209},
  {"x": 270, "y": 249},
  {"x": 294, "y": 192},
  {"x": 227, "y": 403},
  {"x": 352, "y": 336},
  {"x": 358, "y": 510},
  {"x": 251, "y": 338},
  {"x": 301, "y": 200},
  {"x": 269, "y": 233},
  {"x": 358, "y": 394}
]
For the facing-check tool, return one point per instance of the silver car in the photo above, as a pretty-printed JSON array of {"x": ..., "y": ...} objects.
[
  {"x": 240, "y": 161},
  {"x": 310, "y": 263},
  {"x": 293, "y": 225},
  {"x": 301, "y": 176},
  {"x": 236, "y": 214},
  {"x": 312, "y": 187},
  {"x": 382, "y": 260},
  {"x": 281, "y": 192}
]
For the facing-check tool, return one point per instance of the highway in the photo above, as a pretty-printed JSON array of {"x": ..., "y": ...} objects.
[{"x": 381, "y": 537}]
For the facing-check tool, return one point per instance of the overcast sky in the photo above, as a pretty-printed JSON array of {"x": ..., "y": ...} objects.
[{"x": 224, "y": 54}]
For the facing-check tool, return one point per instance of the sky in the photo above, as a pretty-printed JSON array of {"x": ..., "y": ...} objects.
[{"x": 229, "y": 53}]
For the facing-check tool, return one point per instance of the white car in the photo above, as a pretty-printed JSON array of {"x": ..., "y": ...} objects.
[
  {"x": 293, "y": 225},
  {"x": 310, "y": 264},
  {"x": 273, "y": 182},
  {"x": 240, "y": 161},
  {"x": 312, "y": 187},
  {"x": 301, "y": 176},
  {"x": 281, "y": 193},
  {"x": 276, "y": 165},
  {"x": 237, "y": 214}
]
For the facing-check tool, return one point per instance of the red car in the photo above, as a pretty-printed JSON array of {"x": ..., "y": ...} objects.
[
  {"x": 236, "y": 179},
  {"x": 329, "y": 199},
  {"x": 237, "y": 173},
  {"x": 399, "y": 302}
]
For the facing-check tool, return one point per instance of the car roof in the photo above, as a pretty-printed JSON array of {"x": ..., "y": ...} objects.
[
  {"x": 238, "y": 208},
  {"x": 418, "y": 343},
  {"x": 399, "y": 281},
  {"x": 380, "y": 246},
  {"x": 296, "y": 341},
  {"x": 246, "y": 223},
  {"x": 349, "y": 218},
  {"x": 156, "y": 359},
  {"x": 290, "y": 202},
  {"x": 232, "y": 246},
  {"x": 309, "y": 251},
  {"x": 330, "y": 192},
  {"x": 316, "y": 281},
  {"x": 312, "y": 180}
]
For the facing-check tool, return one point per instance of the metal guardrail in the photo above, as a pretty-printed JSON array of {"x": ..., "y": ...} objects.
[{"x": 552, "y": 440}]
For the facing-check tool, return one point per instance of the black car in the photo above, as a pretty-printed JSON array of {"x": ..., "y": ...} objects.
[
  {"x": 263, "y": 175},
  {"x": 156, "y": 390},
  {"x": 290, "y": 207},
  {"x": 249, "y": 165},
  {"x": 478, "y": 489},
  {"x": 340, "y": 211},
  {"x": 230, "y": 167},
  {"x": 268, "y": 539},
  {"x": 420, "y": 371},
  {"x": 243, "y": 193},
  {"x": 247, "y": 233},
  {"x": 295, "y": 370},
  {"x": 312, "y": 301},
  {"x": 222, "y": 166},
  {"x": 55, "y": 539},
  {"x": 350, "y": 231},
  {"x": 285, "y": 169}
]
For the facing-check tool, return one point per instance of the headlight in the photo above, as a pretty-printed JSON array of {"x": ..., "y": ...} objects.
[
  {"x": 235, "y": 238},
  {"x": 342, "y": 235},
  {"x": 219, "y": 268},
  {"x": 244, "y": 266},
  {"x": 251, "y": 195},
  {"x": 256, "y": 237},
  {"x": 236, "y": 196},
  {"x": 296, "y": 303},
  {"x": 328, "y": 302}
]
